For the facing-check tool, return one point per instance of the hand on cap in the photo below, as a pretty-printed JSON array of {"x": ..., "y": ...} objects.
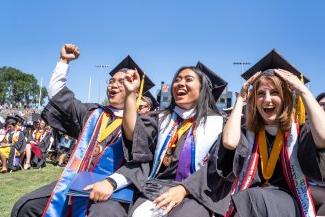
[
  {"x": 69, "y": 52},
  {"x": 244, "y": 92},
  {"x": 294, "y": 82},
  {"x": 100, "y": 191},
  {"x": 131, "y": 81}
]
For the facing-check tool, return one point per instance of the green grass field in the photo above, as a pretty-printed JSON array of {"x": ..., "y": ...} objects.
[{"x": 14, "y": 185}]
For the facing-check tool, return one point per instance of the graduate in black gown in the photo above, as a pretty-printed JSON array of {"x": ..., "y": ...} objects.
[
  {"x": 263, "y": 170},
  {"x": 165, "y": 147},
  {"x": 103, "y": 123}
]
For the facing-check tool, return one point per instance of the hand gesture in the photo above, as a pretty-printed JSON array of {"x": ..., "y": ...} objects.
[
  {"x": 131, "y": 81},
  {"x": 244, "y": 92},
  {"x": 69, "y": 52},
  {"x": 172, "y": 198},
  {"x": 100, "y": 191},
  {"x": 293, "y": 81}
]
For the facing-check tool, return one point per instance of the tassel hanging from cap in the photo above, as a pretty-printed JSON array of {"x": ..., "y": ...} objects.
[{"x": 301, "y": 112}]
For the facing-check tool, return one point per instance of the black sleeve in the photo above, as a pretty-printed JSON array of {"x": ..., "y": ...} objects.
[
  {"x": 66, "y": 113},
  {"x": 21, "y": 143},
  {"x": 311, "y": 159},
  {"x": 142, "y": 147}
]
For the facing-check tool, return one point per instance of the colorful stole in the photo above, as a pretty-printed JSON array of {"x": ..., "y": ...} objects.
[
  {"x": 197, "y": 145},
  {"x": 80, "y": 161},
  {"x": 294, "y": 176}
]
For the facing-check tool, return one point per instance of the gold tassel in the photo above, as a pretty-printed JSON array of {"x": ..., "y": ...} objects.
[
  {"x": 301, "y": 117},
  {"x": 140, "y": 91}
]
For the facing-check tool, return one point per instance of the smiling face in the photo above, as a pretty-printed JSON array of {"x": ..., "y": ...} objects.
[
  {"x": 269, "y": 102},
  {"x": 116, "y": 91},
  {"x": 186, "y": 89}
]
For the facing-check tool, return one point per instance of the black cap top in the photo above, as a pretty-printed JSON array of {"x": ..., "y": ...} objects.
[
  {"x": 20, "y": 119},
  {"x": 272, "y": 60},
  {"x": 154, "y": 103},
  {"x": 218, "y": 84},
  {"x": 129, "y": 63},
  {"x": 11, "y": 120}
]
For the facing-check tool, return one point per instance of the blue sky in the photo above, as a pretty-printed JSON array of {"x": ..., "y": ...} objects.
[{"x": 161, "y": 36}]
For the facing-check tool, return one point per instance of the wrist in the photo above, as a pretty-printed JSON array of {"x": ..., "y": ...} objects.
[
  {"x": 112, "y": 182},
  {"x": 64, "y": 60},
  {"x": 184, "y": 190}
]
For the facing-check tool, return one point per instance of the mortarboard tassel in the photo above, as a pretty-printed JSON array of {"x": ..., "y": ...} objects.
[
  {"x": 301, "y": 117},
  {"x": 140, "y": 91}
]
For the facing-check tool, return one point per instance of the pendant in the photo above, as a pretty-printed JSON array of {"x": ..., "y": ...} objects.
[
  {"x": 97, "y": 150},
  {"x": 167, "y": 160}
]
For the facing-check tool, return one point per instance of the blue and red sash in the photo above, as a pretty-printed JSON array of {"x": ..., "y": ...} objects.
[{"x": 59, "y": 204}]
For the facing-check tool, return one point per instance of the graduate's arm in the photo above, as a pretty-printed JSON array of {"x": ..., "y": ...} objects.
[
  {"x": 64, "y": 112},
  {"x": 316, "y": 114},
  {"x": 232, "y": 128},
  {"x": 131, "y": 85},
  {"x": 59, "y": 76}
]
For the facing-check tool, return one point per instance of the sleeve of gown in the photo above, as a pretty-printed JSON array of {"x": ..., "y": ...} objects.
[
  {"x": 142, "y": 147},
  {"x": 212, "y": 183},
  {"x": 66, "y": 113},
  {"x": 135, "y": 173},
  {"x": 311, "y": 159},
  {"x": 21, "y": 143}
]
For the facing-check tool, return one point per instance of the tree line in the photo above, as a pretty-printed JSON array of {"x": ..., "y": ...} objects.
[{"x": 17, "y": 87}]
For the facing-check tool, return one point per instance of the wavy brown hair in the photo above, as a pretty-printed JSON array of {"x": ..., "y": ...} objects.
[{"x": 254, "y": 121}]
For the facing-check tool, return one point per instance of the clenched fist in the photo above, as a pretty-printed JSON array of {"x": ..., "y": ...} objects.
[{"x": 69, "y": 52}]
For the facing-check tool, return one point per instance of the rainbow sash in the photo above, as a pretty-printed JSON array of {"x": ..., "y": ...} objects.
[{"x": 59, "y": 204}]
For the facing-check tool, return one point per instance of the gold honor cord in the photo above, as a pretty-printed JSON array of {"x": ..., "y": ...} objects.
[
  {"x": 105, "y": 130},
  {"x": 268, "y": 163},
  {"x": 140, "y": 91},
  {"x": 301, "y": 112}
]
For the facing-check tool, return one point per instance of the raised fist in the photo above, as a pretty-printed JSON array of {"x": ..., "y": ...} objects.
[{"x": 69, "y": 52}]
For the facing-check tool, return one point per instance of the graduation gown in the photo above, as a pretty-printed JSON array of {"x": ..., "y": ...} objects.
[
  {"x": 224, "y": 166},
  {"x": 139, "y": 155},
  {"x": 67, "y": 114},
  {"x": 18, "y": 146}
]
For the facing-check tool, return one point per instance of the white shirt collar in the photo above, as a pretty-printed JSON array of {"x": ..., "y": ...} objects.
[
  {"x": 184, "y": 114},
  {"x": 271, "y": 129},
  {"x": 116, "y": 112}
]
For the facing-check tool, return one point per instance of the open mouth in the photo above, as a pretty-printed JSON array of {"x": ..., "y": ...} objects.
[
  {"x": 269, "y": 110},
  {"x": 113, "y": 93},
  {"x": 181, "y": 93}
]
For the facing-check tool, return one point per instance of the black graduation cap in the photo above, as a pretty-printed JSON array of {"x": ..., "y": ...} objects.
[
  {"x": 273, "y": 60},
  {"x": 11, "y": 120},
  {"x": 218, "y": 84},
  {"x": 129, "y": 63},
  {"x": 153, "y": 100},
  {"x": 20, "y": 119}
]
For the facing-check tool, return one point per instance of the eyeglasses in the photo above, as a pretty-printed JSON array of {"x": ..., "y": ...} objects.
[
  {"x": 119, "y": 82},
  {"x": 322, "y": 104}
]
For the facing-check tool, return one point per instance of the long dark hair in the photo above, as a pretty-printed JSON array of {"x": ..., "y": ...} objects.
[{"x": 206, "y": 105}]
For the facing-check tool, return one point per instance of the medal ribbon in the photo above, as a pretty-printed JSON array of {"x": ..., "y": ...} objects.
[{"x": 268, "y": 162}]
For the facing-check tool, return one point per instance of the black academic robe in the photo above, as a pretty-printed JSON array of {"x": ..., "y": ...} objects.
[
  {"x": 19, "y": 146},
  {"x": 139, "y": 155},
  {"x": 216, "y": 179},
  {"x": 67, "y": 114},
  {"x": 43, "y": 145}
]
